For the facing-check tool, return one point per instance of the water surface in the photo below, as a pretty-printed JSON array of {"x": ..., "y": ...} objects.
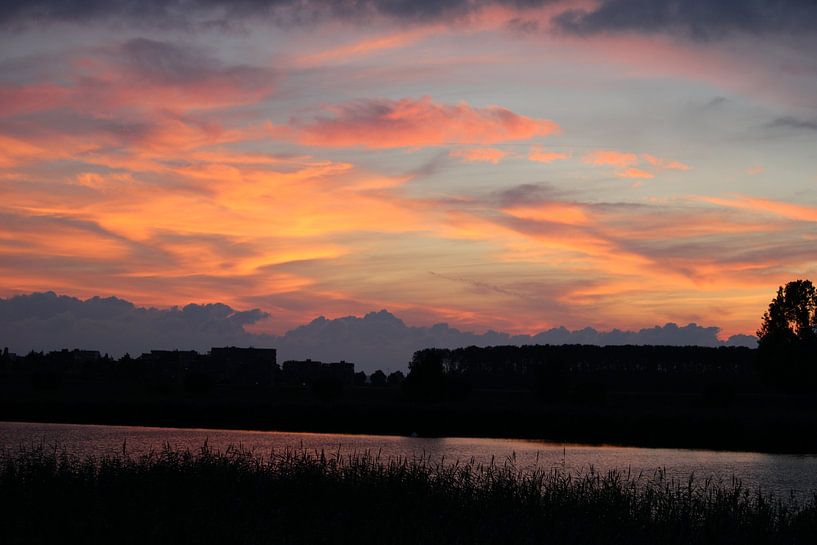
[{"x": 781, "y": 474}]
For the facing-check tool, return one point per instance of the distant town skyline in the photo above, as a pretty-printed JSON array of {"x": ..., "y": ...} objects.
[{"x": 489, "y": 164}]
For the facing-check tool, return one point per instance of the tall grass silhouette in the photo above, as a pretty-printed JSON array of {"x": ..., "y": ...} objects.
[{"x": 48, "y": 495}]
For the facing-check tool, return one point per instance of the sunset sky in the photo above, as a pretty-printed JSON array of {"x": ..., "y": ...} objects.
[{"x": 513, "y": 165}]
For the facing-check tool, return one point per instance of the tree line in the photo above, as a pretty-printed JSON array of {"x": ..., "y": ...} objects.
[{"x": 786, "y": 360}]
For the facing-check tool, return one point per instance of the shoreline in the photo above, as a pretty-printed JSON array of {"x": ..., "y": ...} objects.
[
  {"x": 543, "y": 440},
  {"x": 722, "y": 431}
]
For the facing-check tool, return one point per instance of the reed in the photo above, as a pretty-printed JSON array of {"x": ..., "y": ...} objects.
[{"x": 236, "y": 496}]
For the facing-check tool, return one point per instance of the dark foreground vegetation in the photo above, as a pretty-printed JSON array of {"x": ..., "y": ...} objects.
[{"x": 179, "y": 497}]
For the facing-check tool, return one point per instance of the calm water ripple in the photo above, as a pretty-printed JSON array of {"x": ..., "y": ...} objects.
[{"x": 781, "y": 474}]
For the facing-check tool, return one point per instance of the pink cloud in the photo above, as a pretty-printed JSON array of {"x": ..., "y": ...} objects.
[
  {"x": 634, "y": 173},
  {"x": 664, "y": 164},
  {"x": 786, "y": 210},
  {"x": 611, "y": 158},
  {"x": 541, "y": 155},
  {"x": 366, "y": 46},
  {"x": 628, "y": 162},
  {"x": 23, "y": 99},
  {"x": 418, "y": 123},
  {"x": 141, "y": 75},
  {"x": 14, "y": 151}
]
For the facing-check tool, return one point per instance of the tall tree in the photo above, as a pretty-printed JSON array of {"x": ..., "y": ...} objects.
[
  {"x": 787, "y": 338},
  {"x": 792, "y": 315}
]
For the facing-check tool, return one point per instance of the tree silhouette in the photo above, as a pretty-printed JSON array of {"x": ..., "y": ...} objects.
[
  {"x": 787, "y": 338},
  {"x": 378, "y": 378},
  {"x": 396, "y": 378},
  {"x": 426, "y": 380},
  {"x": 434, "y": 377},
  {"x": 792, "y": 315}
]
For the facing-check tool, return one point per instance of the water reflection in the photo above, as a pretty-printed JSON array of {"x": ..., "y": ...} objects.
[{"x": 776, "y": 473}]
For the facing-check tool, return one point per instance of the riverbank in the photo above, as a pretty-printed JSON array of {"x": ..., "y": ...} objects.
[
  {"x": 758, "y": 423},
  {"x": 207, "y": 496}
]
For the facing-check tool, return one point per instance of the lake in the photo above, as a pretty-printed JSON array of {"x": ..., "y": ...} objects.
[{"x": 781, "y": 474}]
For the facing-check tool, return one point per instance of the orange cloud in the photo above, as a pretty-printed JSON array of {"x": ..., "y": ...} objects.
[
  {"x": 664, "y": 164},
  {"x": 786, "y": 210},
  {"x": 629, "y": 161},
  {"x": 249, "y": 219},
  {"x": 366, "y": 46},
  {"x": 634, "y": 173},
  {"x": 755, "y": 170},
  {"x": 568, "y": 213},
  {"x": 611, "y": 158},
  {"x": 215, "y": 226},
  {"x": 14, "y": 151},
  {"x": 657, "y": 260},
  {"x": 479, "y": 155},
  {"x": 419, "y": 123},
  {"x": 297, "y": 226},
  {"x": 540, "y": 155}
]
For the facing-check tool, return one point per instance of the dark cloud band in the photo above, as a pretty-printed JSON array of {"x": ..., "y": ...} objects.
[
  {"x": 170, "y": 11},
  {"x": 700, "y": 19},
  {"x": 704, "y": 19}
]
